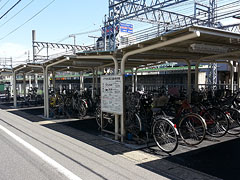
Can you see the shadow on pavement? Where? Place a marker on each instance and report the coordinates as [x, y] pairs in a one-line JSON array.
[[88, 132], [220, 160], [85, 130], [6, 105], [89, 126], [30, 114]]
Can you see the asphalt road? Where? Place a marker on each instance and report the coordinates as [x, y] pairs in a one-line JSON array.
[[220, 160], [80, 158], [78, 146], [18, 163]]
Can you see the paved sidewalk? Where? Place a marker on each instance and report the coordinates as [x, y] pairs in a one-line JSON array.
[[148, 158]]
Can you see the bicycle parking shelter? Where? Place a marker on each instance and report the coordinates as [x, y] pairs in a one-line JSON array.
[[187, 45], [25, 69], [180, 46]]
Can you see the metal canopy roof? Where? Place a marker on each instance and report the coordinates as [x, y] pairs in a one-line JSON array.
[[76, 64], [28, 68], [212, 44], [5, 71]]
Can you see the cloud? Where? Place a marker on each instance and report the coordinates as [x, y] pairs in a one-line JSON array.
[[18, 52], [230, 21]]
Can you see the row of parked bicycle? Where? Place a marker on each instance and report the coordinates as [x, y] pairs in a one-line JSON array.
[[32, 98], [72, 104], [156, 115], [168, 118], [159, 116]]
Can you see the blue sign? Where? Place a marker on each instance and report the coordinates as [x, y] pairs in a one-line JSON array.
[[109, 30], [126, 28]]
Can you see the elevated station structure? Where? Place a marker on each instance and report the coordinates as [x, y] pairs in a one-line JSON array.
[[192, 40], [192, 45]]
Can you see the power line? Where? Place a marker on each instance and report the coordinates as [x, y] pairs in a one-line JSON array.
[[10, 9], [77, 34], [27, 20], [16, 13], [4, 5], [81, 33]]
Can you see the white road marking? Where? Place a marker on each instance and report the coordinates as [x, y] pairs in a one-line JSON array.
[[46, 122], [43, 156]]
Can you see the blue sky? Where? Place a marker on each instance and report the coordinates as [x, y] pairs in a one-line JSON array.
[[61, 18]]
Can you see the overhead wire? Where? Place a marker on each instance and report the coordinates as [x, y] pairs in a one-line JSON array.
[[183, 10], [10, 9], [16, 13], [4, 5], [225, 10], [188, 11], [77, 34], [222, 10], [27, 20]]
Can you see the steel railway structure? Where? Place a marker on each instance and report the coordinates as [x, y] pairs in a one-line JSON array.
[[178, 33]]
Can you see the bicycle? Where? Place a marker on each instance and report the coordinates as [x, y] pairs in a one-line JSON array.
[[56, 105], [191, 126], [216, 120], [107, 118], [226, 104], [223, 100], [144, 120]]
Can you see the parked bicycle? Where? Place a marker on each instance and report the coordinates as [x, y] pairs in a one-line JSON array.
[[144, 121], [56, 105], [191, 126]]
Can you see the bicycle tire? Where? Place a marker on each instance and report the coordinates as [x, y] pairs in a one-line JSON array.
[[52, 112], [165, 135], [192, 129], [234, 118], [217, 122], [98, 118], [82, 110], [134, 125], [60, 103]]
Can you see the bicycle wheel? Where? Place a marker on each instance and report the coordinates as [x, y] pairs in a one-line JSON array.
[[165, 135], [82, 110], [192, 129], [60, 104], [52, 113], [68, 107], [234, 117], [134, 125], [217, 122], [98, 118]]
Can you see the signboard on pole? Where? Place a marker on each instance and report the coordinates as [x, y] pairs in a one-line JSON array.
[[126, 28], [109, 30], [112, 94]]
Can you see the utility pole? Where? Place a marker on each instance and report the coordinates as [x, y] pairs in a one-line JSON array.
[[33, 40], [105, 33], [74, 38], [94, 37], [74, 42]]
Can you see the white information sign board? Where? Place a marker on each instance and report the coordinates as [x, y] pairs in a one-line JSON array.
[[112, 94]]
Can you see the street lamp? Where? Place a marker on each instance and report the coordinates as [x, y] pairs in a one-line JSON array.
[[236, 16], [74, 42], [94, 37]]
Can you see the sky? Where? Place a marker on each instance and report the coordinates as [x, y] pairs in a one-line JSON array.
[[60, 19], [55, 20]]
